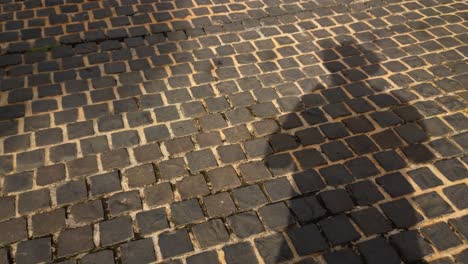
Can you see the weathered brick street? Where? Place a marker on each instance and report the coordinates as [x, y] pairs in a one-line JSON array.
[[233, 131]]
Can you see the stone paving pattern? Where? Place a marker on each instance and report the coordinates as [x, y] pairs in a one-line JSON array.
[[216, 131]]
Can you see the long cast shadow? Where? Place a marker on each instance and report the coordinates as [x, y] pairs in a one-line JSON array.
[[355, 141]]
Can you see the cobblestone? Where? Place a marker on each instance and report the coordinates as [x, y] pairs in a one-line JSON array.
[[72, 241], [139, 251], [201, 131], [378, 250], [103, 256], [173, 244], [34, 251], [115, 230], [87, 212]]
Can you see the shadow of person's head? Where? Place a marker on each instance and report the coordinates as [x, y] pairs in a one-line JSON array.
[[343, 74]]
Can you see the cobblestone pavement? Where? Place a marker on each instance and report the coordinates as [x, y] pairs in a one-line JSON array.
[[217, 131]]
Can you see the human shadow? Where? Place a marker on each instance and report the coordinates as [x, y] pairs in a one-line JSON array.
[[348, 149], [348, 155]]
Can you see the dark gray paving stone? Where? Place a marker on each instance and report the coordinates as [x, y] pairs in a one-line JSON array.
[[210, 233], [273, 248], [175, 243]]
